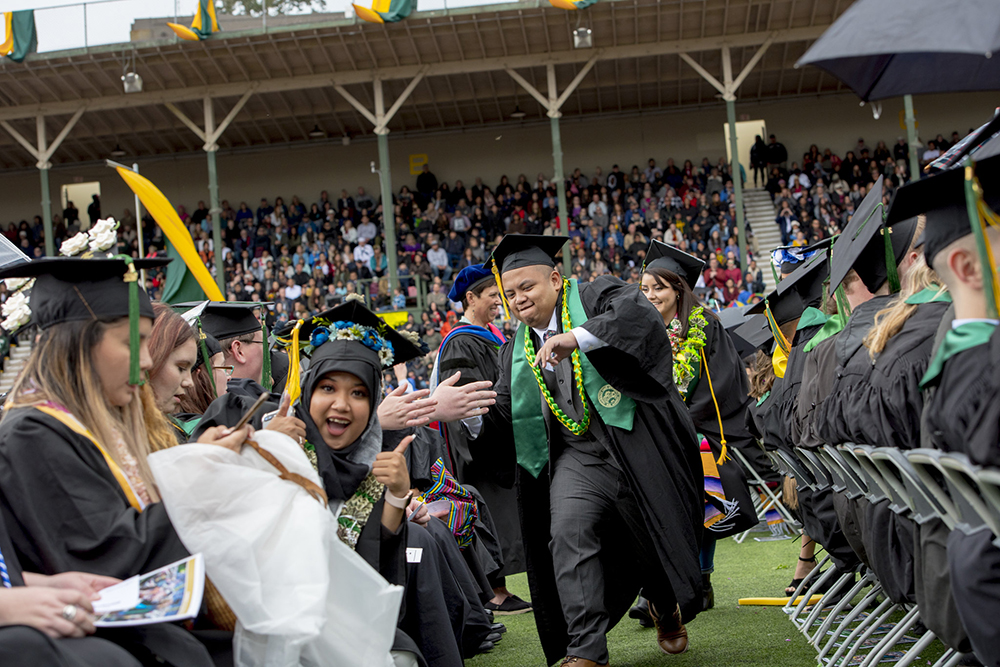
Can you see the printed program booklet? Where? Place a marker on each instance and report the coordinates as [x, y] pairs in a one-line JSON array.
[[172, 593]]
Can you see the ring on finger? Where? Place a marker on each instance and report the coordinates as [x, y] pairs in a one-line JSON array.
[[69, 612]]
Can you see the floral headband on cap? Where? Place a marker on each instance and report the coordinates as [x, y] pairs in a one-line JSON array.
[[340, 330]]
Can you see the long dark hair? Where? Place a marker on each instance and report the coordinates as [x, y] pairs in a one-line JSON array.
[[686, 299]]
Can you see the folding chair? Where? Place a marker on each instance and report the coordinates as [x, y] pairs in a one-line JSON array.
[[794, 468], [872, 489], [961, 476], [760, 490], [989, 485], [923, 463], [821, 477], [835, 460]]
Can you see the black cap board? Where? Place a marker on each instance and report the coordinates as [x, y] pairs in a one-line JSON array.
[[732, 317], [516, 251], [352, 312], [70, 289], [808, 279], [790, 257], [785, 307], [981, 143], [861, 232], [941, 198], [227, 319], [10, 254], [752, 335], [663, 256]]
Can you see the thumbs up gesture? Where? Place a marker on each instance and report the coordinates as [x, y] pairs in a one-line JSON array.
[[286, 422], [390, 469]]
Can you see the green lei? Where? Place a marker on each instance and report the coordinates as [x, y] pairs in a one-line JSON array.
[[576, 428], [354, 514], [687, 351]]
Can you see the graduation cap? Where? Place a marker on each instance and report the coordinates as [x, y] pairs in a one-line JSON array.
[[663, 256], [784, 307], [942, 198], [73, 289], [227, 319], [732, 317], [349, 330], [516, 251], [467, 279], [808, 279], [980, 144], [754, 334], [788, 258], [212, 348]]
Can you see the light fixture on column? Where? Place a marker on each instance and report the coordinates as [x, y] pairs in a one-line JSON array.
[[346, 140], [131, 81], [518, 114], [118, 152], [583, 38], [316, 133]]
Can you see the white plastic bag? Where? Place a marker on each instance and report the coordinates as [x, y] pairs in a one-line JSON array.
[[302, 597]]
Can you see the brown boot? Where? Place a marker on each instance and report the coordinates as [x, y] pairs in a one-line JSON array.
[[580, 662], [671, 634]]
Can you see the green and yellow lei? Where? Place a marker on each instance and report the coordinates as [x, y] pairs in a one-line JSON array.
[[687, 351]]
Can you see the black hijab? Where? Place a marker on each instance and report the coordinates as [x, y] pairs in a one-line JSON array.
[[343, 470]]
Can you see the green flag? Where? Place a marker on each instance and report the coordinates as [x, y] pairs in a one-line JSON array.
[[181, 285], [20, 36]]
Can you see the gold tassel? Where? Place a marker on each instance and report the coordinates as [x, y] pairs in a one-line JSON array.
[[292, 385], [503, 297], [724, 454]]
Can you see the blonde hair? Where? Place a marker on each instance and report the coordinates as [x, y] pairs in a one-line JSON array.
[[61, 369], [889, 321]]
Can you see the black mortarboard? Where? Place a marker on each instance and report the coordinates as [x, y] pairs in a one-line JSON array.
[[982, 143], [516, 251], [785, 307], [733, 317], [861, 246], [790, 257], [10, 254], [807, 280], [663, 256], [752, 335], [71, 289], [227, 319], [941, 198]]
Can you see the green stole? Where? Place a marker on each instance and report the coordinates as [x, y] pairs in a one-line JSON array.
[[530, 435], [965, 337], [930, 294]]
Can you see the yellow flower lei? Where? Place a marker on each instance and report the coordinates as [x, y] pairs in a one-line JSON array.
[[687, 352]]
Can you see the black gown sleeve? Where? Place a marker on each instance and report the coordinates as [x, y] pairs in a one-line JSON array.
[[383, 549], [636, 359], [475, 359], [494, 448], [65, 510]]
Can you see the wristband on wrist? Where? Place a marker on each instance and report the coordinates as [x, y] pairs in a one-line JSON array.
[[398, 503]]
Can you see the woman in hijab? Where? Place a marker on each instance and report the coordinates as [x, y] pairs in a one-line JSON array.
[[365, 470]]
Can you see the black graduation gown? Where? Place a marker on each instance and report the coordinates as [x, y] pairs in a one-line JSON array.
[[782, 423], [964, 416], [660, 457], [732, 392], [65, 511], [476, 359]]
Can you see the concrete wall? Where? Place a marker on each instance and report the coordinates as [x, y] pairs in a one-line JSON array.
[[835, 122]]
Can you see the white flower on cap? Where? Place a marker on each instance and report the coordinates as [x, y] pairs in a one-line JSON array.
[[103, 236], [17, 284], [75, 245], [16, 312]]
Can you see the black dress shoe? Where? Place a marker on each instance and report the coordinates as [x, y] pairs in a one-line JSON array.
[[498, 627], [493, 637], [640, 612], [485, 647], [706, 584]]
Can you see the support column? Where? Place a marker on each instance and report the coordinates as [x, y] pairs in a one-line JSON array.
[[215, 209], [911, 137], [211, 147], [737, 184], [557, 175], [388, 210], [50, 243]]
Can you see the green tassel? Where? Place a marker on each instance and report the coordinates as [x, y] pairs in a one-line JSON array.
[[890, 262], [843, 307], [978, 231], [205, 358], [265, 373]]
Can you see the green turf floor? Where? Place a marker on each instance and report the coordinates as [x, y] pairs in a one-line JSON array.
[[724, 636]]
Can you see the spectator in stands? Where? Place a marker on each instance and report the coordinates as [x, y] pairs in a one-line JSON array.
[[94, 210], [264, 212], [777, 154], [438, 259]]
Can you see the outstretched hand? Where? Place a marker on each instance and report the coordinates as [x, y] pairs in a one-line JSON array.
[[400, 410], [470, 400]]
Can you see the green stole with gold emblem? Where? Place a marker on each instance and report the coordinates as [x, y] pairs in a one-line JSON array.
[[530, 435]]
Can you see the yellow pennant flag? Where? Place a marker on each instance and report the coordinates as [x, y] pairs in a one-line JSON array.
[[166, 217]]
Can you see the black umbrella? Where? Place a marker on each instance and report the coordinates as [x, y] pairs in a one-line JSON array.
[[890, 48]]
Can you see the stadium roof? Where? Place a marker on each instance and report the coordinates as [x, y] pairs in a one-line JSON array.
[[286, 75]]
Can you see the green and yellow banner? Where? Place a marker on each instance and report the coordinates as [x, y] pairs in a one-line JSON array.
[[204, 24], [385, 11], [572, 5], [20, 37]]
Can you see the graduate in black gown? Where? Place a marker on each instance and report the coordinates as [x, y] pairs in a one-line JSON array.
[[349, 348], [604, 452], [471, 349], [711, 378], [46, 623], [75, 491], [962, 414]]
